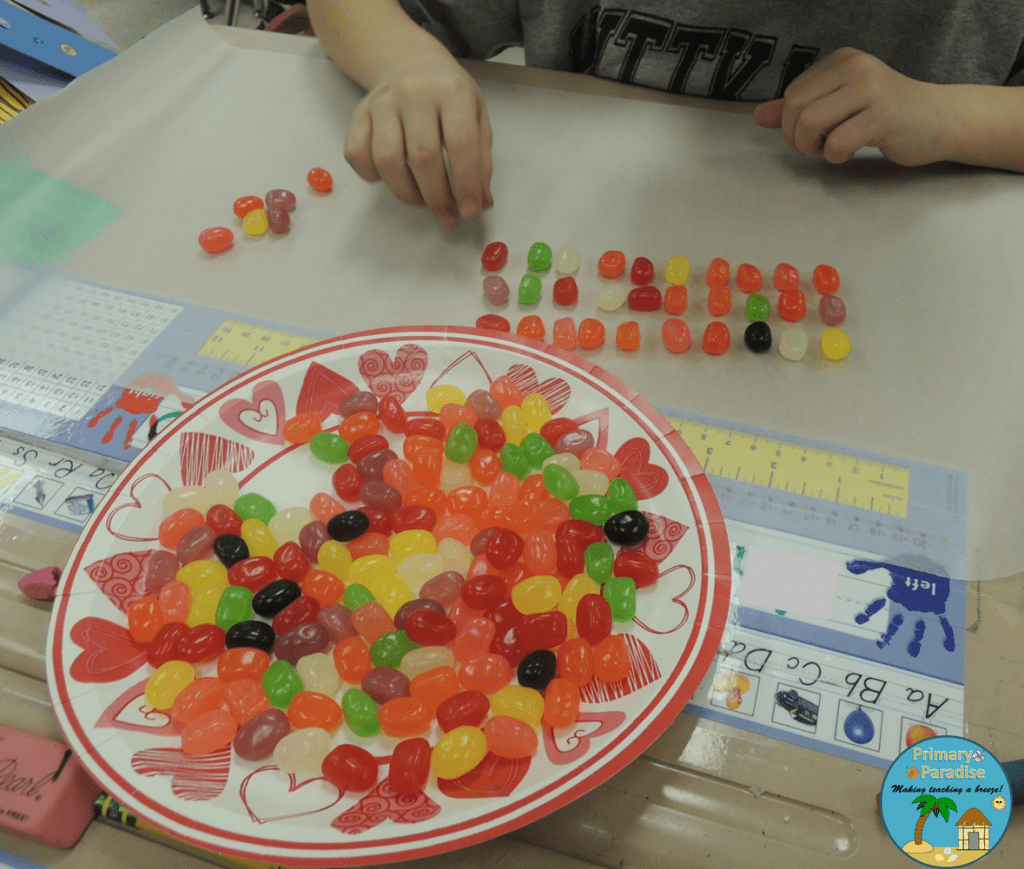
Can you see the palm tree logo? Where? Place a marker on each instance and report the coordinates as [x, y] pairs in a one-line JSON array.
[[928, 804]]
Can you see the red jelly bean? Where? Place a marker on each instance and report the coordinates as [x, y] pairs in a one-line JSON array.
[[392, 414], [216, 239], [410, 766], [426, 427], [242, 662], [350, 768], [571, 538], [543, 630], [490, 434], [716, 338], [495, 256], [201, 644], [634, 563], [290, 561], [503, 548], [493, 322], [642, 271], [347, 482], [413, 516], [253, 573], [646, 298], [484, 592], [367, 444], [792, 305], [165, 643], [465, 708], [593, 618], [785, 277], [320, 180], [429, 628], [565, 291], [300, 611]]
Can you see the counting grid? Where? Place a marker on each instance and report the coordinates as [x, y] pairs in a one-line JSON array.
[[102, 330]]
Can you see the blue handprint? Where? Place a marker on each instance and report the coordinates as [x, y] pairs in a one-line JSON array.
[[913, 591]]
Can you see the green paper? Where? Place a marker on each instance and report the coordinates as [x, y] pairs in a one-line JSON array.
[[44, 219]]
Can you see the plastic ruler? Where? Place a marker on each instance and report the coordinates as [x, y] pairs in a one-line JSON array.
[[249, 344]]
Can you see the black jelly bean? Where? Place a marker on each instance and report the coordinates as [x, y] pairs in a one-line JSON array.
[[230, 548], [250, 634], [275, 596], [758, 337], [537, 669], [627, 528], [348, 525]]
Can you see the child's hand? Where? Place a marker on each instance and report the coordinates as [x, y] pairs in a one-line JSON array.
[[402, 129], [851, 99]]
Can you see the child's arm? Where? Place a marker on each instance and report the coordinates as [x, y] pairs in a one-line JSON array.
[[420, 104], [851, 99]]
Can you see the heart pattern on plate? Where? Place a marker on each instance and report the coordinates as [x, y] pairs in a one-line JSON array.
[[108, 651], [396, 377], [643, 670], [268, 795], [322, 391], [193, 777], [383, 804], [555, 390], [202, 453], [493, 777], [646, 478], [130, 711], [569, 744], [261, 419], [121, 576]]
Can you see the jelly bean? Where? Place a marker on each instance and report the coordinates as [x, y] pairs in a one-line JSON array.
[[575, 589], [835, 344], [216, 239], [299, 429], [302, 751], [235, 606], [313, 709], [505, 391], [301, 640], [758, 337], [356, 596], [145, 619], [434, 685], [337, 619], [254, 506], [593, 618], [347, 482], [230, 548], [194, 497], [204, 605], [196, 544], [518, 702], [612, 297], [611, 264], [461, 443], [598, 559], [350, 768], [175, 602], [320, 180], [371, 466], [543, 630], [576, 661], [493, 322], [793, 344], [536, 594], [163, 646], [323, 587], [362, 714], [275, 596], [251, 634], [537, 669], [370, 619], [536, 412], [278, 220], [244, 204], [281, 198], [594, 459], [281, 683], [256, 223], [445, 588], [559, 482], [792, 305], [717, 274], [529, 290], [209, 732], [748, 278], [620, 592], [410, 766], [565, 291], [242, 662], [465, 708], [627, 336], [561, 703], [716, 338], [175, 526], [563, 333], [757, 308], [473, 639], [486, 673], [377, 493], [348, 525], [627, 528], [496, 289], [538, 259], [510, 738], [166, 682], [675, 299], [495, 256], [536, 449], [352, 659], [677, 270], [611, 659], [245, 699], [675, 335], [385, 683], [785, 277], [719, 301], [568, 261], [826, 279], [645, 298], [426, 627], [590, 508], [621, 495], [257, 738], [389, 649], [458, 752], [160, 569], [539, 551], [195, 699], [203, 643], [252, 573], [637, 565], [318, 673], [832, 310]]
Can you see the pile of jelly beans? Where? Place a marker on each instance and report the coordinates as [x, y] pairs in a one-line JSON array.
[[260, 215], [457, 585], [641, 295]]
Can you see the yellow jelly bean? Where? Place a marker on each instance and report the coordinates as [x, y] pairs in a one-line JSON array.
[[513, 424], [578, 586], [442, 394], [677, 270], [335, 558], [391, 592], [167, 682], [256, 222], [835, 344], [536, 411], [536, 594], [368, 569], [459, 751], [202, 575], [415, 541], [204, 607], [258, 538], [515, 701]]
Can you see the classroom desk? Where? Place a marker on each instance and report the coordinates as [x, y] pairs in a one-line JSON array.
[[931, 264]]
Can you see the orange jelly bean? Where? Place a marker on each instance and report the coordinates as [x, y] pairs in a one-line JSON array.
[[300, 429], [175, 526], [716, 338], [510, 738], [561, 703], [484, 465], [576, 661], [452, 414], [324, 507], [403, 717], [611, 658], [435, 686], [325, 588], [627, 336], [313, 709], [245, 699], [531, 326], [611, 264], [717, 274], [505, 391], [748, 278], [175, 601], [197, 699], [209, 732], [352, 659], [370, 543], [145, 618], [675, 335], [428, 496], [675, 299], [590, 333], [359, 425], [719, 301], [242, 662], [792, 305]]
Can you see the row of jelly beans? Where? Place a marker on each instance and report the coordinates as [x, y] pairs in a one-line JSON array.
[[555, 469], [272, 212]]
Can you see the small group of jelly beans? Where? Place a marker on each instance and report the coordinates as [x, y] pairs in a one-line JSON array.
[[475, 583], [272, 212], [539, 260]]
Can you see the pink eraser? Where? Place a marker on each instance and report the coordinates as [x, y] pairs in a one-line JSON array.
[[45, 793]]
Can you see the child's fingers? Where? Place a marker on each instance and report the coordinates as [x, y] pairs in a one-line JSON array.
[[389, 156], [817, 121], [769, 114], [467, 142], [358, 151]]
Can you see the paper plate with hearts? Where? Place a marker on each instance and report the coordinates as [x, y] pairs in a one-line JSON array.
[[101, 661]]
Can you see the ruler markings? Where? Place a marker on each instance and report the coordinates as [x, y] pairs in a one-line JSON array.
[[250, 345]]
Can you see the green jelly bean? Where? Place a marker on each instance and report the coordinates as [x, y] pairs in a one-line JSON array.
[[598, 559], [356, 595], [536, 449], [255, 506], [758, 308], [329, 447], [593, 508], [620, 592], [529, 290], [461, 443], [389, 649], [621, 496], [362, 714], [235, 606], [539, 257], [513, 461], [281, 683], [560, 483]]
